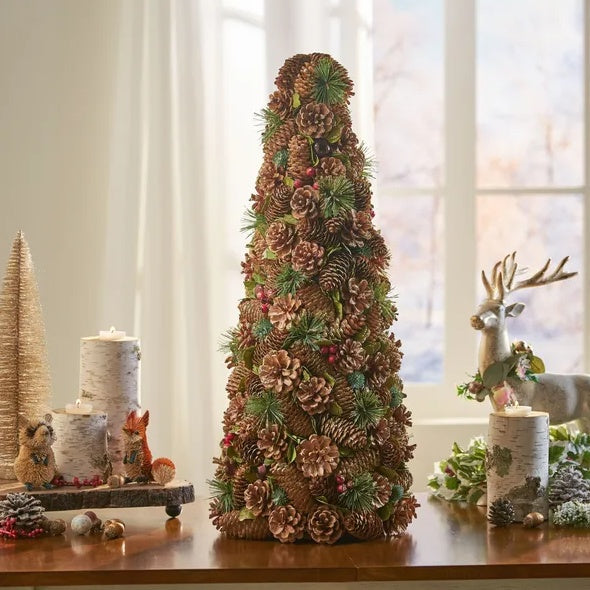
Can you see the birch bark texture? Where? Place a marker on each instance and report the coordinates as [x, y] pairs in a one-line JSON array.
[[25, 382], [517, 462], [81, 447], [110, 381]]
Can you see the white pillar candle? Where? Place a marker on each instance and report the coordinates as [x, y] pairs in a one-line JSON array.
[[517, 463], [110, 381], [78, 408], [81, 444]]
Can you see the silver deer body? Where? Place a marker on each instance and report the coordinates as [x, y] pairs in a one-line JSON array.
[[564, 397]]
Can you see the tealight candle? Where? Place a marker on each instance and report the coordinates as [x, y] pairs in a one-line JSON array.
[[79, 408], [112, 334], [517, 410]]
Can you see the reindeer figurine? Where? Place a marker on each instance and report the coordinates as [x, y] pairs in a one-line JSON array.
[[564, 397]]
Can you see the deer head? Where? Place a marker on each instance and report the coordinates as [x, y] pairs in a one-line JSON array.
[[491, 315]]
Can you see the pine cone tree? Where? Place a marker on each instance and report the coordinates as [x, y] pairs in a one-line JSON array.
[[292, 481], [402, 515], [25, 509], [272, 442], [501, 512], [307, 257], [305, 203], [568, 484], [279, 238], [280, 371], [332, 167], [336, 271], [286, 524], [314, 395], [343, 432], [317, 456], [230, 524], [325, 526], [351, 356], [258, 497], [364, 525], [283, 311], [315, 119]]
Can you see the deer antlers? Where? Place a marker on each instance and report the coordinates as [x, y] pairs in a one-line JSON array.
[[504, 272]]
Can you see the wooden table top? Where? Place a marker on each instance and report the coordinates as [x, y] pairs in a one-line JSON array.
[[447, 541]]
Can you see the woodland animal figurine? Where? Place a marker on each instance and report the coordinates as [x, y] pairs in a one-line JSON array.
[[138, 457], [564, 397], [35, 463]]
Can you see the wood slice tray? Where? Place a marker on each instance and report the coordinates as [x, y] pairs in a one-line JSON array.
[[131, 495]]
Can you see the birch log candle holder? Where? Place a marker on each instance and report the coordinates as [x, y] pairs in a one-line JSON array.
[[517, 462], [110, 381], [81, 446]]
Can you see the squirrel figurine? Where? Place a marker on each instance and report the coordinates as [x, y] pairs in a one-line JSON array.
[[138, 457], [35, 463]]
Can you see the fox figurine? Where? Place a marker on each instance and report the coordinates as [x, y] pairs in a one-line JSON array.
[[138, 457]]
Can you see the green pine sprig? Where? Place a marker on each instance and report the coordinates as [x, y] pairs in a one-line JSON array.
[[266, 408], [223, 492], [310, 330], [279, 496], [572, 514], [253, 221], [356, 380], [270, 123], [262, 328], [386, 301], [281, 158], [360, 494], [368, 409], [337, 194], [330, 83], [397, 396], [289, 280], [228, 343], [370, 165]]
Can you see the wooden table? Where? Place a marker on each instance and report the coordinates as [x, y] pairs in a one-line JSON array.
[[446, 542]]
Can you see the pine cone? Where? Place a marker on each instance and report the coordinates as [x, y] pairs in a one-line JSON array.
[[244, 336], [247, 447], [299, 157], [348, 140], [358, 296], [258, 497], [351, 356], [401, 477], [315, 230], [382, 490], [351, 324], [375, 321], [289, 71], [315, 363], [291, 480], [336, 271], [240, 483], [403, 514], [283, 311], [362, 194], [314, 395], [297, 421], [305, 81], [281, 103], [361, 462], [364, 525], [280, 138], [364, 270], [316, 301], [233, 412], [250, 311], [230, 524], [343, 433], [325, 526], [402, 415], [357, 162], [501, 512], [324, 487], [343, 395], [317, 456], [272, 442], [315, 119], [382, 431], [236, 382], [279, 203], [276, 338], [279, 238], [286, 524], [568, 484], [379, 369], [280, 371], [332, 167], [307, 257], [305, 203], [393, 452], [25, 509], [269, 178]]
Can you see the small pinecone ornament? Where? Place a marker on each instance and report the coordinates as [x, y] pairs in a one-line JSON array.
[[332, 167], [281, 103], [279, 238], [325, 526], [568, 484], [359, 296], [315, 119], [305, 203], [26, 510], [258, 497], [336, 271], [317, 456], [501, 512], [280, 371], [343, 432], [364, 525], [231, 525], [272, 442], [286, 524], [283, 311], [351, 356], [314, 395], [307, 257], [402, 515]]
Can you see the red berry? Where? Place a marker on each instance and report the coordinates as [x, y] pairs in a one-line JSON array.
[[339, 479], [259, 295], [310, 171], [372, 213], [230, 436], [332, 359], [316, 186], [298, 183], [340, 488], [265, 307], [333, 349], [325, 349]]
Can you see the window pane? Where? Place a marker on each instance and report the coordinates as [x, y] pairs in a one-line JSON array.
[[409, 91], [530, 93], [412, 227], [539, 227]]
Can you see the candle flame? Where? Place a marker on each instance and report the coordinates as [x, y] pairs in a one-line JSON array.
[[78, 403], [113, 329]]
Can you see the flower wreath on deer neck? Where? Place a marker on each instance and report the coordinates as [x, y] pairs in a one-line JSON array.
[[522, 364]]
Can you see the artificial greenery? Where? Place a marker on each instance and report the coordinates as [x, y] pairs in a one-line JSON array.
[[397, 396], [309, 331], [572, 514], [262, 328], [270, 123], [266, 407], [223, 492], [279, 496], [253, 221], [281, 158], [356, 380], [337, 195], [370, 164], [229, 343], [359, 494], [289, 280], [385, 299], [330, 83], [367, 410]]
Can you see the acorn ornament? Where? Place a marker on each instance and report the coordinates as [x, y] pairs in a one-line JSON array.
[[501, 512], [322, 147], [113, 528], [532, 520]]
